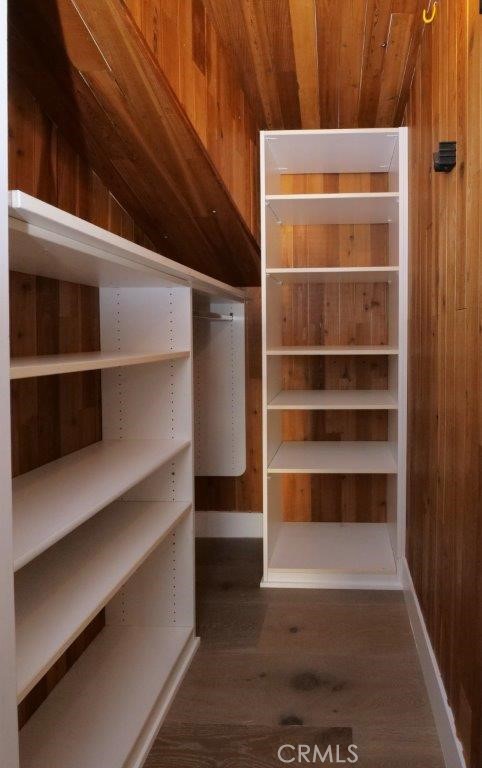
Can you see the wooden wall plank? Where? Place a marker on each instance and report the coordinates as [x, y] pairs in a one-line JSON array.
[[444, 489], [326, 64]]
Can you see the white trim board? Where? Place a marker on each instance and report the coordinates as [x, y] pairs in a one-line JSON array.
[[229, 525], [442, 713]]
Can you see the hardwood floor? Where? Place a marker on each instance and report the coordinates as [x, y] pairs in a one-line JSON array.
[[314, 667]]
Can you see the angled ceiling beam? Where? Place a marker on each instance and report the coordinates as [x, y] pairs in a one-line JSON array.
[[110, 95]]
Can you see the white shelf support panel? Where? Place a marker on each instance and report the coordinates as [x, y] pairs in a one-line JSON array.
[[219, 389], [8, 718], [318, 554]]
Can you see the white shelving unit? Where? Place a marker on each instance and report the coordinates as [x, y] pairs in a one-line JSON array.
[[318, 554], [109, 526]]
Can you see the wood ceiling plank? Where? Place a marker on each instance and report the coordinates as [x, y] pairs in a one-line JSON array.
[[255, 24], [396, 54], [277, 56], [377, 24], [303, 24], [228, 19], [328, 33], [280, 36], [353, 20]]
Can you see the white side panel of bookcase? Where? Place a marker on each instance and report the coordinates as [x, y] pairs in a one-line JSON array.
[[403, 342], [151, 401], [8, 709], [161, 592], [219, 391]]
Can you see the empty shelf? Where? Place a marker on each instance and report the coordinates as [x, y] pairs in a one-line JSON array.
[[44, 240], [336, 547], [53, 499], [331, 151], [341, 208], [62, 590], [333, 274], [374, 349], [49, 365], [334, 457], [332, 400], [107, 708]]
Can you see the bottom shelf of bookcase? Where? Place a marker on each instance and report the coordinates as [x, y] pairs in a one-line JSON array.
[[108, 708], [337, 555]]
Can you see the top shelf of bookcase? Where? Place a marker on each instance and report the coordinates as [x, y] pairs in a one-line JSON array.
[[335, 151], [46, 241]]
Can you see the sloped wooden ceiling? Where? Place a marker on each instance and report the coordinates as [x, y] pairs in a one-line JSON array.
[[95, 76], [323, 63]]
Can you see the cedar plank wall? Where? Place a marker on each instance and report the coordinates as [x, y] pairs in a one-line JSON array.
[[55, 415], [189, 52], [445, 411]]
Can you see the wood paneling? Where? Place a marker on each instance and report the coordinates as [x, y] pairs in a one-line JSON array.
[[445, 413], [320, 63], [98, 79], [188, 50]]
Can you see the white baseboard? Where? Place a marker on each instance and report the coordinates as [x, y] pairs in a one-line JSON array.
[[229, 525], [442, 713]]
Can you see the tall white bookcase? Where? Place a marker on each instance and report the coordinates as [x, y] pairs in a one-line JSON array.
[[336, 554], [109, 526]]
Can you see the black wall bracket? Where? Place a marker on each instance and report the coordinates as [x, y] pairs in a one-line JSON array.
[[445, 159]]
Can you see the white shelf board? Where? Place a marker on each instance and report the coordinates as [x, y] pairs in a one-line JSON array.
[[49, 365], [331, 151], [61, 591], [333, 400], [341, 208], [100, 711], [334, 547], [44, 240], [333, 274], [53, 499], [334, 457], [378, 349]]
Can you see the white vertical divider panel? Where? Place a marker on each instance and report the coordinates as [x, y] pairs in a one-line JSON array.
[[219, 389], [152, 402], [402, 342], [268, 235], [8, 704]]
